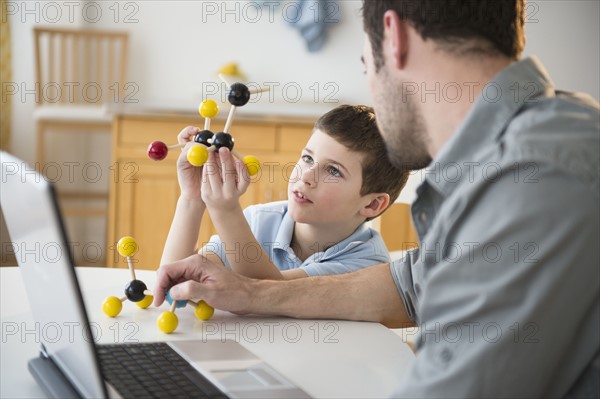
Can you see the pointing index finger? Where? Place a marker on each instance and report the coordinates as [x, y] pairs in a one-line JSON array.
[[169, 275]]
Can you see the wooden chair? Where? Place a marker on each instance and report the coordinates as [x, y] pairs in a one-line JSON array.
[[78, 72], [80, 78]]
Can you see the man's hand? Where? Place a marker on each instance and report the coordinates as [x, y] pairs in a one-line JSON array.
[[197, 277]]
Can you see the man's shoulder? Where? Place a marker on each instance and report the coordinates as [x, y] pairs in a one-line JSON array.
[[561, 132], [563, 113]]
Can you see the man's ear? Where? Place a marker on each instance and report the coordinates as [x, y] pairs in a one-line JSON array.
[[396, 36], [379, 203]]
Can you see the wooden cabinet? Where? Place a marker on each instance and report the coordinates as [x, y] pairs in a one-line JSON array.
[[144, 193]]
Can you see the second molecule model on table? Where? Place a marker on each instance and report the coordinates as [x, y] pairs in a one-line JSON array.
[[206, 140], [137, 292]]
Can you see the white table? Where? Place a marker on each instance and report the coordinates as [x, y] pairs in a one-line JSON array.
[[327, 358]]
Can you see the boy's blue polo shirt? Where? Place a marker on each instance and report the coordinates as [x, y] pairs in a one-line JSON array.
[[273, 228]]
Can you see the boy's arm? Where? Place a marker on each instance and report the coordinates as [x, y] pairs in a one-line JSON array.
[[244, 253], [183, 234], [224, 181], [294, 274], [248, 257]]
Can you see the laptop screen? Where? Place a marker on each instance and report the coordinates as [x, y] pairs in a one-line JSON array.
[[38, 236]]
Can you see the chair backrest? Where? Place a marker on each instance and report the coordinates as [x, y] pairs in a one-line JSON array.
[[80, 66]]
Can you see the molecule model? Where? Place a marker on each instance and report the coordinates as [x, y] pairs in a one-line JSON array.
[[137, 292], [208, 109], [206, 140], [167, 321]]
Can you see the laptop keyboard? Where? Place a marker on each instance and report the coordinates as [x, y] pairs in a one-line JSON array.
[[153, 370]]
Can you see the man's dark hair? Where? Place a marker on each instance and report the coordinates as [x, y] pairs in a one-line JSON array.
[[458, 26], [355, 128]]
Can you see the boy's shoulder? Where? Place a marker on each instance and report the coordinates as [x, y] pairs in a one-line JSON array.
[[266, 220], [277, 207], [271, 212]]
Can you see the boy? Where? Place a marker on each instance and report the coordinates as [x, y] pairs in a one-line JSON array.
[[343, 179]]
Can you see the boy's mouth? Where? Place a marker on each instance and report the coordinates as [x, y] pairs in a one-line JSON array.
[[300, 197]]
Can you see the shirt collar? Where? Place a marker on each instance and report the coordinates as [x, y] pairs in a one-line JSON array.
[[285, 232], [520, 83], [359, 236]]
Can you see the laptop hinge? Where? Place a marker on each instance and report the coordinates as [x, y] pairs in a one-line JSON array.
[[44, 352], [49, 377]]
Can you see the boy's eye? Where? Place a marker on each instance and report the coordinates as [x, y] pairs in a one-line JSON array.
[[308, 159], [333, 171]]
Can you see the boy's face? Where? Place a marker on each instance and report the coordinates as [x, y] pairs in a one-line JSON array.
[[324, 188]]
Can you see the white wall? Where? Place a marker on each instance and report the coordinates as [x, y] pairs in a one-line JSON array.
[[565, 35], [176, 46]]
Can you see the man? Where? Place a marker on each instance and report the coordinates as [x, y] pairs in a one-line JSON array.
[[505, 285]]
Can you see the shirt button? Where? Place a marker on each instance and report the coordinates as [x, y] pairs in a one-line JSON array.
[[423, 216], [446, 355]]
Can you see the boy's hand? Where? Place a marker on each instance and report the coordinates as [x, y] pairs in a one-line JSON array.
[[189, 176], [225, 180]]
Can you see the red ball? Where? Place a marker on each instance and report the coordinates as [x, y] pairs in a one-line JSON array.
[[158, 150]]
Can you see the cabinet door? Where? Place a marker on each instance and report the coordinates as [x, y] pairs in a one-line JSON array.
[[274, 183], [146, 201]]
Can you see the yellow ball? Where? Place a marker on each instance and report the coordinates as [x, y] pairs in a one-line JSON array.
[[204, 311], [167, 322], [252, 164], [127, 246], [112, 306], [208, 109], [197, 155], [147, 301]]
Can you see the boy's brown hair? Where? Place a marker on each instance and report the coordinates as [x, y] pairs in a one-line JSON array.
[[355, 128]]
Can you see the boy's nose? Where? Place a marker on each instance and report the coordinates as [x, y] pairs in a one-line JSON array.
[[310, 177]]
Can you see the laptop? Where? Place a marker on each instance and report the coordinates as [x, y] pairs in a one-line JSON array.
[[72, 365]]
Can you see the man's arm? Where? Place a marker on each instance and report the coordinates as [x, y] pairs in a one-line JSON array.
[[367, 295]]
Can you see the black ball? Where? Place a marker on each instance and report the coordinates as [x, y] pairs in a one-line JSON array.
[[223, 139], [135, 290], [239, 94], [203, 137]]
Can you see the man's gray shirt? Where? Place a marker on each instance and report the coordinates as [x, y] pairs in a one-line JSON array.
[[505, 285]]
